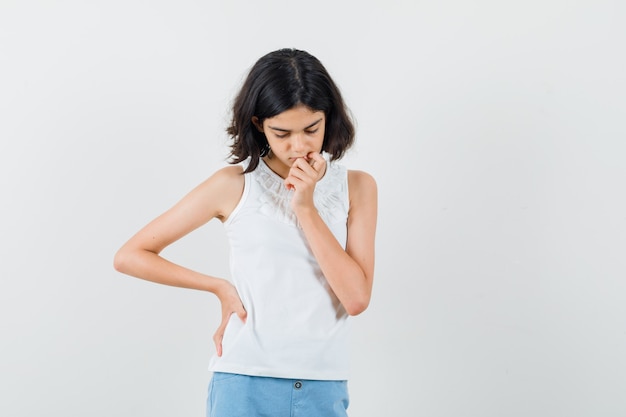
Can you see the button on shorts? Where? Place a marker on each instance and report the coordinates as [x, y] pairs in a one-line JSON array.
[[234, 395]]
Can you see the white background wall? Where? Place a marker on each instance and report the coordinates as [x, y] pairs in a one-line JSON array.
[[495, 130]]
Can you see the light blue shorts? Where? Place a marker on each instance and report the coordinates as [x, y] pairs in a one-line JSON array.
[[234, 395]]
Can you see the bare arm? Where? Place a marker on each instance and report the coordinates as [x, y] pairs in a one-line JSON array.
[[139, 257], [349, 272]]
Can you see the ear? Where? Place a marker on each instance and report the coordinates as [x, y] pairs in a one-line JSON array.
[[257, 123]]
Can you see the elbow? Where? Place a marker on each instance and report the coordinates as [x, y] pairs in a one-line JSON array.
[[356, 307], [120, 261], [358, 300]]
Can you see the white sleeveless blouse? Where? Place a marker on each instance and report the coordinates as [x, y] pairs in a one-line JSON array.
[[296, 326]]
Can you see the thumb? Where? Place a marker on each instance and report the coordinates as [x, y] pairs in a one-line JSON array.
[[242, 314], [217, 339]]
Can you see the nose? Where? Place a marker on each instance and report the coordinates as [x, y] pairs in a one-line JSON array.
[[298, 142]]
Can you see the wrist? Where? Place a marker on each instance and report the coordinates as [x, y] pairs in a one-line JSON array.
[[306, 213], [220, 287]]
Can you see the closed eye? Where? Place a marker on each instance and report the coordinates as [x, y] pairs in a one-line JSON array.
[[306, 129], [284, 135]]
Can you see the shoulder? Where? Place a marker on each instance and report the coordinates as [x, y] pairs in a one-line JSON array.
[[362, 188], [224, 178], [229, 174], [223, 190], [363, 197], [361, 181]]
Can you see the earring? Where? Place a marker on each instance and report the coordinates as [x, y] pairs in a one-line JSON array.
[[265, 150]]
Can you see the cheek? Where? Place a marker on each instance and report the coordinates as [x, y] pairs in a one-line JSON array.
[[321, 139]]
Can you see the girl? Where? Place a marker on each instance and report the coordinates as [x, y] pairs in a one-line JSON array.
[[301, 230]]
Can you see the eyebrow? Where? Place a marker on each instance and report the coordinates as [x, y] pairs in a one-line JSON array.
[[287, 130]]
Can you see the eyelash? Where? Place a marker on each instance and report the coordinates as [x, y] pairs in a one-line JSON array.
[[309, 132]]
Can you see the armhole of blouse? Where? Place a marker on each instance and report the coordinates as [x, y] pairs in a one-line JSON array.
[[244, 196], [347, 194]]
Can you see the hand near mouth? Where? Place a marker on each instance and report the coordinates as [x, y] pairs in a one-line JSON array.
[[305, 172]]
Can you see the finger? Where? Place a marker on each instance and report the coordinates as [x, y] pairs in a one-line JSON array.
[[315, 159], [293, 182], [318, 163], [314, 166], [289, 182], [294, 178], [243, 315], [217, 340], [302, 169], [219, 336], [303, 163], [298, 166]]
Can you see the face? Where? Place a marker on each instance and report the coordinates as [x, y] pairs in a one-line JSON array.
[[292, 134]]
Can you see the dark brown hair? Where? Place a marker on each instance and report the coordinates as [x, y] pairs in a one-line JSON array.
[[278, 82]]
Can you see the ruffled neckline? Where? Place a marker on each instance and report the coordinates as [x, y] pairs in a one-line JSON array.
[[329, 196]]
